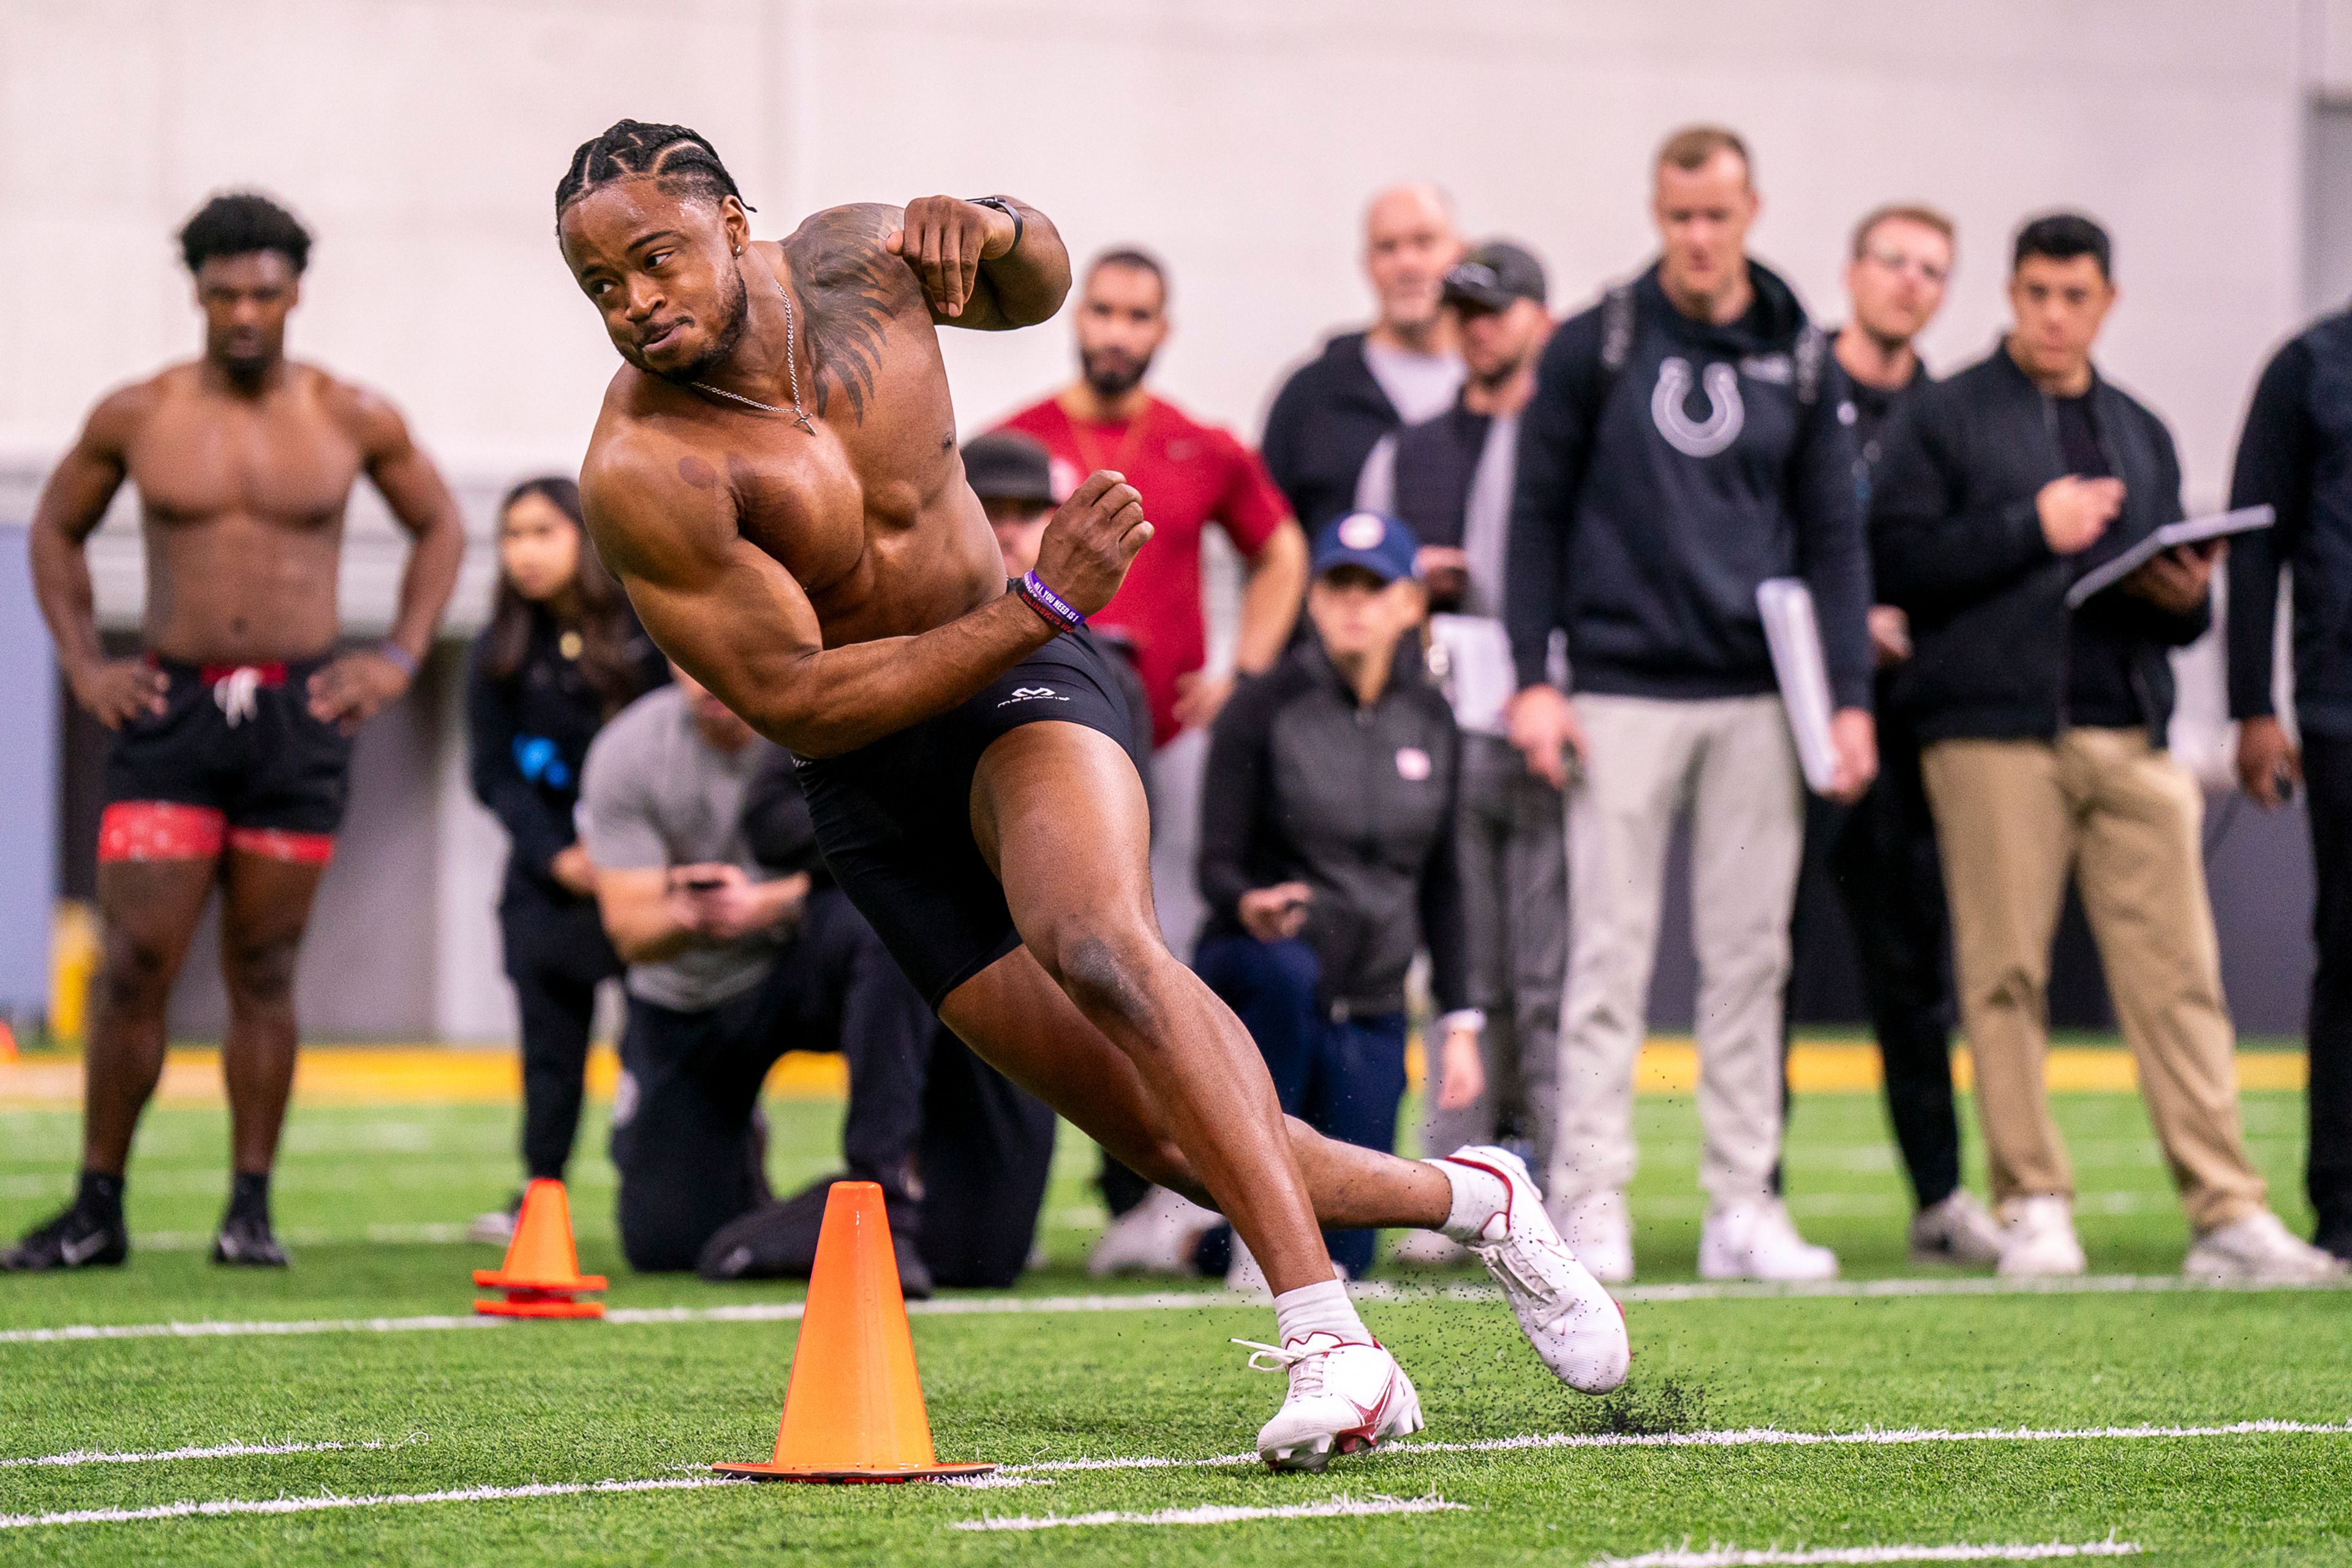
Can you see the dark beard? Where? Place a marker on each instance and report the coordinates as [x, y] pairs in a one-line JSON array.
[[737, 318], [1107, 384]]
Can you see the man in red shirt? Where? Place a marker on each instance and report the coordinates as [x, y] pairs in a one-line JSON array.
[[1191, 475]]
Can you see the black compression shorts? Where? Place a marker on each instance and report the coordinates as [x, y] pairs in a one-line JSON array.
[[894, 820]]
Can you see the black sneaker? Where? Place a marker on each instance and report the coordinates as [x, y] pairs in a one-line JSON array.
[[74, 1239], [247, 1244], [2335, 1236]]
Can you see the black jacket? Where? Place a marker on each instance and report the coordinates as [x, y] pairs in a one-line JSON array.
[[1305, 784], [1643, 530], [1324, 422], [527, 737], [1957, 544], [2296, 455]]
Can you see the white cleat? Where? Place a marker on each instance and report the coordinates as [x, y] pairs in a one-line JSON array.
[[1156, 1236], [1598, 1228], [1757, 1240], [1347, 1396], [2259, 1249], [1576, 1327]]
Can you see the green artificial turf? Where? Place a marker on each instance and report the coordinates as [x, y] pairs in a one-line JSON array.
[[362, 1192]]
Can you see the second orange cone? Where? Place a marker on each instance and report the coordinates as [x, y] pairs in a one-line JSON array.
[[854, 1408], [541, 1273]]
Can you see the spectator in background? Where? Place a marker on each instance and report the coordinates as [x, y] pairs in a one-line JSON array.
[[1449, 478], [1879, 854], [2044, 734], [2296, 456], [1642, 525], [562, 655], [729, 967], [1191, 475], [1327, 853], [1333, 409]]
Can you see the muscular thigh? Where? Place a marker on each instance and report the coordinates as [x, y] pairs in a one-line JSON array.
[[1058, 812], [1019, 1022], [265, 903], [150, 908]]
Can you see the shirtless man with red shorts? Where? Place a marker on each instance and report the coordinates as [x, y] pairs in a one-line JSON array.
[[774, 478], [233, 730]]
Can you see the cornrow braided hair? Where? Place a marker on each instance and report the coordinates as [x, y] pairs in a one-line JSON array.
[[683, 161]]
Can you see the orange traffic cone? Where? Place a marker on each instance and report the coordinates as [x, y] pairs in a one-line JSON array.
[[541, 1273], [853, 1408]]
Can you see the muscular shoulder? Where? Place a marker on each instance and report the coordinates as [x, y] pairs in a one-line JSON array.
[[652, 500], [116, 419], [364, 414]]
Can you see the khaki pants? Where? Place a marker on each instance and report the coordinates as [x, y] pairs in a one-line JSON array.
[[1732, 762], [2013, 818]]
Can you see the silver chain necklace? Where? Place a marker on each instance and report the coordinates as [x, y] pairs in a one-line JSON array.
[[791, 368]]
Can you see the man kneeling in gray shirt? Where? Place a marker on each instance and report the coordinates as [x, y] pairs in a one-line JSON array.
[[730, 964]]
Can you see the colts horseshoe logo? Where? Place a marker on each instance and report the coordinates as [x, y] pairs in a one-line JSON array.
[[1721, 426]]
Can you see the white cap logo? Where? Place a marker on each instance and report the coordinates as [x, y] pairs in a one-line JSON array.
[[1364, 531], [1412, 764]]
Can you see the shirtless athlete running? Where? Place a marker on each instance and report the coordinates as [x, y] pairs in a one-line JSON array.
[[774, 477], [233, 729]]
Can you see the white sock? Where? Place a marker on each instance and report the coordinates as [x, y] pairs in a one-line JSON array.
[[1480, 1200], [1321, 1309]]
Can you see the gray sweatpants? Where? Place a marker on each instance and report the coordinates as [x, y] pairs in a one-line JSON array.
[[1515, 918], [1732, 762]]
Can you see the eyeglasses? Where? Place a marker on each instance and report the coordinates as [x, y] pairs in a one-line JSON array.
[[1903, 260]]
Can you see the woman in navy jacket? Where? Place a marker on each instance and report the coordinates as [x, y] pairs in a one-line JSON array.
[[562, 655]]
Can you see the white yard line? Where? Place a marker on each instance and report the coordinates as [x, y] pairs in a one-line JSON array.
[[220, 1451], [1336, 1507], [1733, 1557], [1747, 1437], [1170, 1301], [201, 1508]]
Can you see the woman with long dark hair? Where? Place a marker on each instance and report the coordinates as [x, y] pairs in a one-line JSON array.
[[562, 655]]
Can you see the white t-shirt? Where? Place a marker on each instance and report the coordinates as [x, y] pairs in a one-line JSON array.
[[1421, 386]]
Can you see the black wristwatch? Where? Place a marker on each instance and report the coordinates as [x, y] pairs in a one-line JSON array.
[[1009, 210]]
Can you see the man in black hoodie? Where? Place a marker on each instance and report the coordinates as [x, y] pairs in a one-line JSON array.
[[1688, 440], [2044, 732], [2297, 455], [1334, 408]]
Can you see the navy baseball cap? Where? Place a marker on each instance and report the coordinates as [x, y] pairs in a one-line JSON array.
[[1381, 544], [1494, 275]]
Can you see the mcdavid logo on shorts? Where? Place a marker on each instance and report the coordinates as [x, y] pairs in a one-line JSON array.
[[1032, 694]]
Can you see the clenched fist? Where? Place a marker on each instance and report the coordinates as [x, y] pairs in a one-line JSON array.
[[945, 239], [1091, 541]]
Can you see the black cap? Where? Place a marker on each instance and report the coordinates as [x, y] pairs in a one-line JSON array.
[[1494, 275], [1005, 465]]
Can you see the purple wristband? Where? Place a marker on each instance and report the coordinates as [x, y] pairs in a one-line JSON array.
[[1056, 607], [399, 657]]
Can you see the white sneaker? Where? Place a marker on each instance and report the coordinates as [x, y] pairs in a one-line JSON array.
[[1156, 1236], [1958, 1229], [1598, 1228], [1428, 1249], [1758, 1241], [1346, 1397], [2038, 1238], [2259, 1248], [1577, 1328]]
